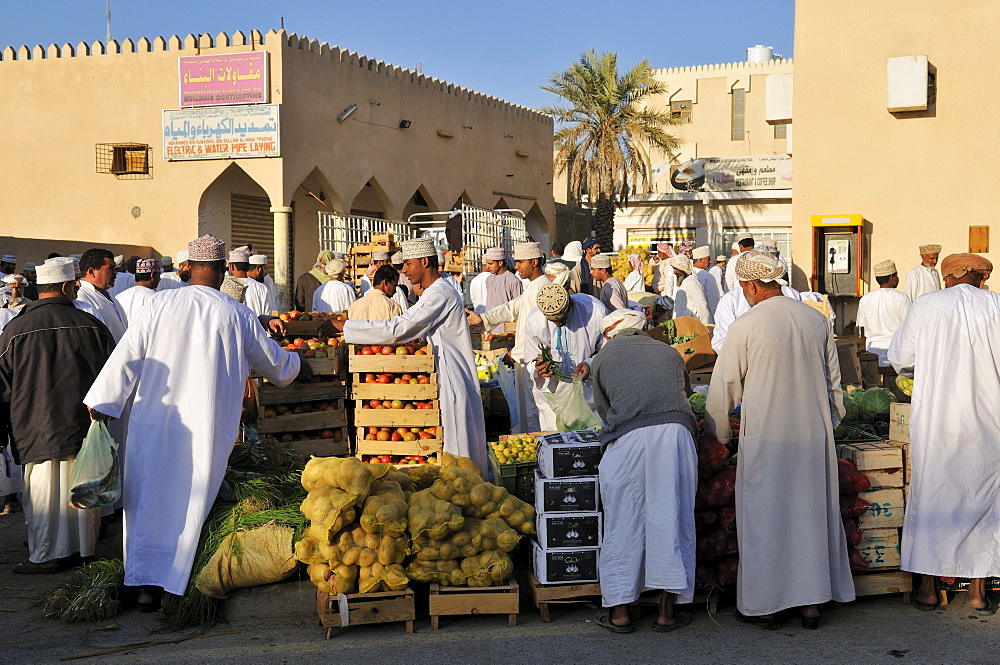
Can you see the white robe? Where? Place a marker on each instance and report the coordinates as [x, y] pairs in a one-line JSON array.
[[665, 279], [334, 296], [5, 316], [950, 342], [780, 361], [477, 292], [123, 282], [439, 317], [649, 478], [733, 305], [257, 297], [880, 313], [635, 282], [690, 300], [920, 280], [580, 339], [731, 280], [719, 278], [170, 280], [105, 308], [711, 288], [399, 297], [56, 529], [134, 300], [517, 310], [184, 420], [272, 292]]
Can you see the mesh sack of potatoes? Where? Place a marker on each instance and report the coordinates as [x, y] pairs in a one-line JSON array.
[[336, 579], [346, 473], [477, 498], [475, 537], [447, 573], [491, 568], [385, 511], [432, 516], [379, 577]]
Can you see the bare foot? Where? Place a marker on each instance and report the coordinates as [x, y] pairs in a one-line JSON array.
[[619, 615]]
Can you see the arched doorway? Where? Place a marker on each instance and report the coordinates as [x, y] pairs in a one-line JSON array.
[[420, 202], [313, 196], [537, 226], [371, 201], [235, 208]]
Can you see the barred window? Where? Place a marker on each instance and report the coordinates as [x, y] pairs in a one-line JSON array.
[[739, 114]]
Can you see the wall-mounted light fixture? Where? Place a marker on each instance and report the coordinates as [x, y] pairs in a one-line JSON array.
[[522, 153], [346, 113], [375, 102], [404, 124], [509, 136], [466, 126], [445, 134]]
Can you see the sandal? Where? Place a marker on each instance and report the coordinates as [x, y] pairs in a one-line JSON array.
[[985, 611], [153, 605], [603, 619], [681, 619], [925, 607], [773, 622], [48, 568]]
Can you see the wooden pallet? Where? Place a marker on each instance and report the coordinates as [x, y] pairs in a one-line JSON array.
[[883, 583], [462, 601], [542, 595], [270, 394], [366, 608]]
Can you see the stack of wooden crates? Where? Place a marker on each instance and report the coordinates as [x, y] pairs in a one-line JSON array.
[[359, 365], [320, 427], [361, 255], [886, 464]]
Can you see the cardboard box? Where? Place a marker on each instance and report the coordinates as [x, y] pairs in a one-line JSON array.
[[872, 456], [697, 352], [880, 548], [886, 511], [569, 530], [899, 422], [562, 495], [703, 376], [569, 454], [565, 566]]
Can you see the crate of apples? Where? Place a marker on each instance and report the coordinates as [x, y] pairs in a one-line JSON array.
[[399, 459], [296, 409], [411, 379], [400, 433], [295, 315], [311, 435], [400, 350], [311, 348], [396, 404]]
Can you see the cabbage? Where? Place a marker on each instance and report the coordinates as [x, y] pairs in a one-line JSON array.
[[874, 401], [851, 407], [697, 401]]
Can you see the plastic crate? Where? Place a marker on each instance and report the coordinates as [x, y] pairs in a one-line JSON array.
[[517, 478]]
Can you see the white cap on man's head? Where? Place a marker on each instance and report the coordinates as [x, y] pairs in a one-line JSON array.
[[258, 259], [52, 272], [700, 253]]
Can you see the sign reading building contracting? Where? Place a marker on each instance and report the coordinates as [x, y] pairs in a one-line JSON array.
[[228, 132], [232, 78], [725, 174]]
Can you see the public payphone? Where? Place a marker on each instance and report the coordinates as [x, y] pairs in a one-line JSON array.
[[837, 255]]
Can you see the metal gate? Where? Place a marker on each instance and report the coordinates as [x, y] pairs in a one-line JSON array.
[[482, 228], [338, 233], [252, 223]]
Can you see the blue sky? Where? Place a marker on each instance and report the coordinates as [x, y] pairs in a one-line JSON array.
[[503, 48]]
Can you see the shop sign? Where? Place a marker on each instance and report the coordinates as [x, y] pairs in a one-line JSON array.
[[224, 132], [726, 174], [231, 78]]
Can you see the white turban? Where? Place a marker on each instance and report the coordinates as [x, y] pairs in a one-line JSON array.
[[622, 320], [573, 251], [335, 267], [680, 262]]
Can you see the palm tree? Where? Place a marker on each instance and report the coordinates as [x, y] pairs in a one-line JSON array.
[[606, 132]]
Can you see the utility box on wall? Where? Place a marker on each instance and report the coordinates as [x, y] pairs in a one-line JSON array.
[[906, 83]]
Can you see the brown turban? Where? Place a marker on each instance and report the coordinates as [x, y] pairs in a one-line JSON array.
[[958, 265]]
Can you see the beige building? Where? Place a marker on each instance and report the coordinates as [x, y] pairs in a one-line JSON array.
[[895, 108], [736, 139], [99, 152]]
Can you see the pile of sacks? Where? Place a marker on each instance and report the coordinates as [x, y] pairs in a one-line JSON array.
[[373, 527]]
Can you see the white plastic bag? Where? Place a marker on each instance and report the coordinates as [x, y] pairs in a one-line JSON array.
[[96, 480], [505, 378], [571, 408]]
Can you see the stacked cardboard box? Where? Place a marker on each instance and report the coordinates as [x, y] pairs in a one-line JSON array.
[[567, 502]]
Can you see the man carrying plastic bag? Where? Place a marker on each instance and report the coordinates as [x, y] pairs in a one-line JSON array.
[[49, 357], [563, 333]]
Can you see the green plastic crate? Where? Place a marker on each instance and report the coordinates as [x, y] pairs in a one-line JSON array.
[[517, 478]]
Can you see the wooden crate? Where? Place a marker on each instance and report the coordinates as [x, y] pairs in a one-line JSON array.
[[886, 510], [361, 249], [884, 582], [270, 394], [885, 478], [899, 422], [388, 364], [327, 366], [366, 608], [543, 595], [880, 548], [299, 328], [421, 447], [875, 455], [462, 601], [406, 391], [396, 417], [321, 447], [297, 422], [907, 469]]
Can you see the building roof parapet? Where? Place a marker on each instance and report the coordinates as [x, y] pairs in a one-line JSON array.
[[203, 41], [725, 67]]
